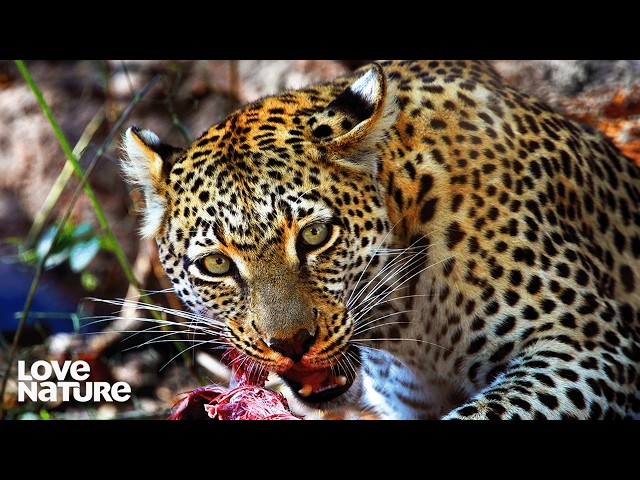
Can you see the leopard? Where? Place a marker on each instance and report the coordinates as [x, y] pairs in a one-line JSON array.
[[415, 239]]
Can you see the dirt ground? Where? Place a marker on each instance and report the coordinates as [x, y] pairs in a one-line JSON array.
[[94, 102]]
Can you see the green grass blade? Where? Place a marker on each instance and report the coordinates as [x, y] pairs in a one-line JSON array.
[[54, 194]]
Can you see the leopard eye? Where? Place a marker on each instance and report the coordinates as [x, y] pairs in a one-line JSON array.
[[313, 236], [216, 264]]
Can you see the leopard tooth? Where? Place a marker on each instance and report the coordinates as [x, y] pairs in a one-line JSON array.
[[341, 381], [306, 390]]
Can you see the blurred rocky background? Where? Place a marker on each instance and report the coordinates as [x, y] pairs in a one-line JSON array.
[[182, 99]]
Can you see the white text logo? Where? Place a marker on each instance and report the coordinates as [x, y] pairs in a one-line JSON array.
[[39, 385]]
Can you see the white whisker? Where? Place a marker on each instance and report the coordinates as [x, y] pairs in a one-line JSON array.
[[350, 368], [364, 340], [150, 307], [393, 264], [191, 347], [358, 316], [304, 193], [391, 290], [355, 287], [374, 295], [389, 270], [360, 328]]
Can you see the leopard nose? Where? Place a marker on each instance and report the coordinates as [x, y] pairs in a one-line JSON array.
[[294, 347]]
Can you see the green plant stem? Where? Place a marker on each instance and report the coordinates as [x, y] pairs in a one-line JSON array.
[[113, 243], [54, 194]]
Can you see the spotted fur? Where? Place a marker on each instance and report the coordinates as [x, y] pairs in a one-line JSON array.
[[482, 255]]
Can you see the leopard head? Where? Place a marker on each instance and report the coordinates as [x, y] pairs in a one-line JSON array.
[[269, 224]]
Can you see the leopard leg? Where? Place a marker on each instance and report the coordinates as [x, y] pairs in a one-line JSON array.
[[553, 381]]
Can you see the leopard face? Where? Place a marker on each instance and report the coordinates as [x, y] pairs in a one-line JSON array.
[[417, 237], [269, 222]]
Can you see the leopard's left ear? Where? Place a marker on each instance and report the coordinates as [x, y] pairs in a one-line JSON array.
[[357, 118]]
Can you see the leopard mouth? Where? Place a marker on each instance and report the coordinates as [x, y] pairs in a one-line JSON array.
[[316, 385]]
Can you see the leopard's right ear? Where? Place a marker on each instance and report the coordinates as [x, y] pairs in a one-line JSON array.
[[146, 164]]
